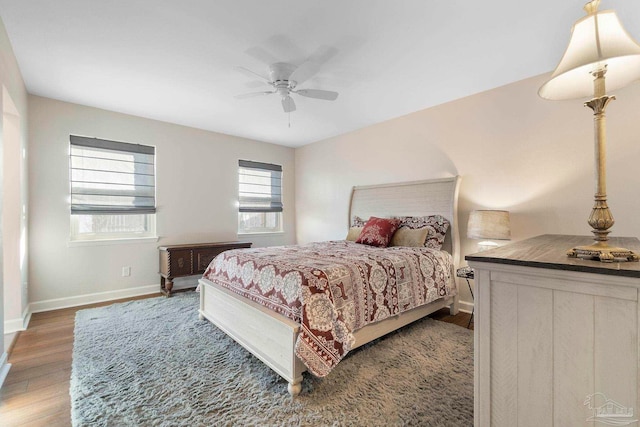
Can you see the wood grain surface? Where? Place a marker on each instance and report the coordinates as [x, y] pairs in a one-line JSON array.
[[550, 251]]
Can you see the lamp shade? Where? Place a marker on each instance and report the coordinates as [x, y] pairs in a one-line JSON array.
[[598, 41], [489, 224]]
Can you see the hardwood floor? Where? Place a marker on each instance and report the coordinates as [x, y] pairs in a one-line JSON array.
[[36, 391], [460, 319]]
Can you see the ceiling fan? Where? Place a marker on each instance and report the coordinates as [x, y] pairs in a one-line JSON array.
[[284, 79]]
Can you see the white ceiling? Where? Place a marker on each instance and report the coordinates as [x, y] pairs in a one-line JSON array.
[[174, 60]]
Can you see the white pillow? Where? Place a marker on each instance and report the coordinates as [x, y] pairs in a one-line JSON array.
[[411, 237], [354, 233]]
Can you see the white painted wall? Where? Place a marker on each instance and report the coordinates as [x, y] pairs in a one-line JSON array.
[[196, 174], [14, 103], [513, 150], [13, 217]]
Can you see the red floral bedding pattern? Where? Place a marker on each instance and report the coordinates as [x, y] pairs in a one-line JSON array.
[[334, 288]]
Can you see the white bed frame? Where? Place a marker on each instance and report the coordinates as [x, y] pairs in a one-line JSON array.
[[271, 337]]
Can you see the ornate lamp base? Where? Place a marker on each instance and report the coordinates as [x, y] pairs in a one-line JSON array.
[[602, 252]]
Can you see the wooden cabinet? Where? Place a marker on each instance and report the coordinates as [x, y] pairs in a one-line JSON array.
[[189, 260], [556, 338]]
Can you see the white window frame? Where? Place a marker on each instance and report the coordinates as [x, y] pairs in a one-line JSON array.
[[261, 230], [149, 233]]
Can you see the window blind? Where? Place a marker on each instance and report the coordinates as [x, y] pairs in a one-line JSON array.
[[260, 187], [109, 177]]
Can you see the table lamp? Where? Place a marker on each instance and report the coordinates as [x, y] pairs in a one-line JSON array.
[[599, 48], [488, 225]]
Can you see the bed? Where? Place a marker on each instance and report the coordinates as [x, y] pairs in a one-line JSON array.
[[281, 338]]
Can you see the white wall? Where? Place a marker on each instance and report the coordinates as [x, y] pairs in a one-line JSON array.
[[14, 104], [196, 174], [13, 217], [513, 150]]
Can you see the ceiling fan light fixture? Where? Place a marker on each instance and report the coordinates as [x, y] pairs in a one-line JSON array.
[[280, 74], [288, 105]]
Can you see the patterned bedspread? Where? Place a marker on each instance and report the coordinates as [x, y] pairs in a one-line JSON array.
[[334, 288]]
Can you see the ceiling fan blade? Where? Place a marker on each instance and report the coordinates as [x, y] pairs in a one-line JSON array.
[[254, 84], [318, 94], [323, 54], [312, 65], [304, 72], [284, 46], [252, 95], [250, 73], [261, 55], [288, 105]]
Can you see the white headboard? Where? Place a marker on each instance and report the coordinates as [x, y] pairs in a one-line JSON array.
[[417, 198]]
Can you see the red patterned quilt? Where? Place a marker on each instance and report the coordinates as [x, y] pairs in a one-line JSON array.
[[334, 288]]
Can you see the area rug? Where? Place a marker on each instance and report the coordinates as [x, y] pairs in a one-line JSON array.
[[153, 363]]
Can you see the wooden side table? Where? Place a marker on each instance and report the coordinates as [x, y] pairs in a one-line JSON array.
[[189, 259]]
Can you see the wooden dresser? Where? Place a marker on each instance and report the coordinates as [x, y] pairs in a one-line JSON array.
[[556, 338], [189, 260]]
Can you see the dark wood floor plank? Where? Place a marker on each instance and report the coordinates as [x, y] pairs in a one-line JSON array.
[[53, 358], [40, 349], [62, 375], [21, 400], [15, 375], [9, 390], [41, 325], [59, 419], [460, 319], [31, 413]]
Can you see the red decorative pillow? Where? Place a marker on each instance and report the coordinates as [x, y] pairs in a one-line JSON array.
[[378, 231]]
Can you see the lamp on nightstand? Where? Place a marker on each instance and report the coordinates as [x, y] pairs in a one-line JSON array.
[[599, 46], [489, 225]]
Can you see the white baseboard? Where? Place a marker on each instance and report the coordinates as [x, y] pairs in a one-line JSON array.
[[14, 325], [26, 317], [18, 324], [75, 301], [8, 341], [4, 368], [466, 307]]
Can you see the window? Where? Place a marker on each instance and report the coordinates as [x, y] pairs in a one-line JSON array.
[[260, 196], [112, 189]]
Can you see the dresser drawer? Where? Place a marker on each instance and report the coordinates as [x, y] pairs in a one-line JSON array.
[[180, 263], [202, 258]]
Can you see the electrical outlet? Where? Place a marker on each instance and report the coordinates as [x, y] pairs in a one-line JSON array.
[[126, 271]]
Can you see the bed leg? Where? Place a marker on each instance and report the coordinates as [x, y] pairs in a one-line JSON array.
[[200, 316], [295, 388], [454, 308]]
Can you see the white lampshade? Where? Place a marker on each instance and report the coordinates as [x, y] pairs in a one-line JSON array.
[[597, 41], [489, 224]]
